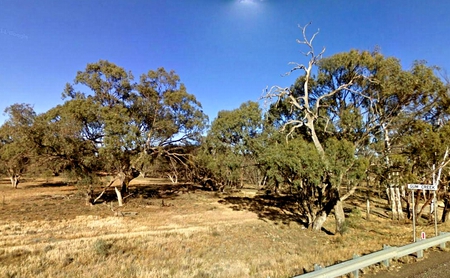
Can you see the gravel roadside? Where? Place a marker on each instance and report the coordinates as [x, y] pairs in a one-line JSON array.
[[436, 264]]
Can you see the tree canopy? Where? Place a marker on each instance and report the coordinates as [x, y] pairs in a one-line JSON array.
[[117, 124], [348, 119]]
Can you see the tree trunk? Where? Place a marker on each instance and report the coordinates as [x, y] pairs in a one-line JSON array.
[[126, 177], [15, 179], [333, 202], [241, 177], [319, 221], [314, 137], [90, 196], [408, 205], [427, 202], [173, 178], [393, 202], [119, 196], [340, 217], [416, 204], [399, 207], [446, 211], [388, 194], [368, 190]]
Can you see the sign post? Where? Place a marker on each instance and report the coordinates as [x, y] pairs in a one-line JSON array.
[[413, 187]]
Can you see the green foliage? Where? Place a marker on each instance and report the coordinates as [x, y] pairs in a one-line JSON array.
[[295, 163], [344, 165], [420, 147], [354, 219], [232, 145], [16, 154], [383, 103], [117, 124], [357, 109]]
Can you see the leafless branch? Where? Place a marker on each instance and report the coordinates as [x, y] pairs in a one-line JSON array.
[[340, 88], [294, 125]]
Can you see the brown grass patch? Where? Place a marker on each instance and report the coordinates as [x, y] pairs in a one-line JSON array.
[[47, 231]]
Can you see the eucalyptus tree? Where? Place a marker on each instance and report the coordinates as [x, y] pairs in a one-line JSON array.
[[16, 154], [423, 154], [117, 124], [306, 100], [231, 148], [399, 102], [373, 111], [359, 99], [355, 102], [67, 139]]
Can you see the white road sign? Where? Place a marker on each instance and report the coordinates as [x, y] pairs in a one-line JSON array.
[[422, 186]]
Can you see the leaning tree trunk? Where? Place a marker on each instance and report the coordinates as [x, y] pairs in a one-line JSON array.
[[427, 203]]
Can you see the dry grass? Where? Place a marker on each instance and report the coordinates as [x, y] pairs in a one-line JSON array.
[[46, 231]]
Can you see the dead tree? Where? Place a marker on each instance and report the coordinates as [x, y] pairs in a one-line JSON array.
[[309, 109]]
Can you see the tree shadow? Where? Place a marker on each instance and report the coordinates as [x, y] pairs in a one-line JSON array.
[[45, 184], [163, 190], [5, 181], [268, 207], [152, 191], [53, 184]]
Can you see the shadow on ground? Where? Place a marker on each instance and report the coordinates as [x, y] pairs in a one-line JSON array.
[[153, 191], [268, 207]]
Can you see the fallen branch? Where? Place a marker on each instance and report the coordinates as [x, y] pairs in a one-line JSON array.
[[104, 190], [129, 195]]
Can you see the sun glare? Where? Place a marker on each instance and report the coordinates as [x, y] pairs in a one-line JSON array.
[[249, 1], [247, 11]]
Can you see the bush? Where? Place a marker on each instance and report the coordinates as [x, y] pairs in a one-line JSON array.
[[101, 247]]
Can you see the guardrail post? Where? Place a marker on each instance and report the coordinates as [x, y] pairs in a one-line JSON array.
[[386, 262], [419, 253], [355, 272], [442, 245]]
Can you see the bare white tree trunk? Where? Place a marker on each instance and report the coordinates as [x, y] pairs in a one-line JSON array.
[[119, 196], [14, 180], [173, 178], [399, 208], [393, 203]]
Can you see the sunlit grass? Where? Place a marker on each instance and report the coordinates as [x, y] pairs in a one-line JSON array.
[[196, 237]]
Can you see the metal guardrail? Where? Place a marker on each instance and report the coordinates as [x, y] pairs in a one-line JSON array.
[[357, 263]]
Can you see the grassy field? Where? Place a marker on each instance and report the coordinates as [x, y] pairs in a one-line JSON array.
[[164, 230]]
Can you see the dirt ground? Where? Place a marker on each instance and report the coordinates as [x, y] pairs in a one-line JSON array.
[[186, 231], [436, 264]]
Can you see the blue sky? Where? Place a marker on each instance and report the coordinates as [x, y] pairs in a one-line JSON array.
[[225, 51]]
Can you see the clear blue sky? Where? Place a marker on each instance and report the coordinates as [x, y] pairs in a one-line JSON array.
[[225, 51]]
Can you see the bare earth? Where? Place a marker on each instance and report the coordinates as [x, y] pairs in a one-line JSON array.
[[436, 264], [165, 230]]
